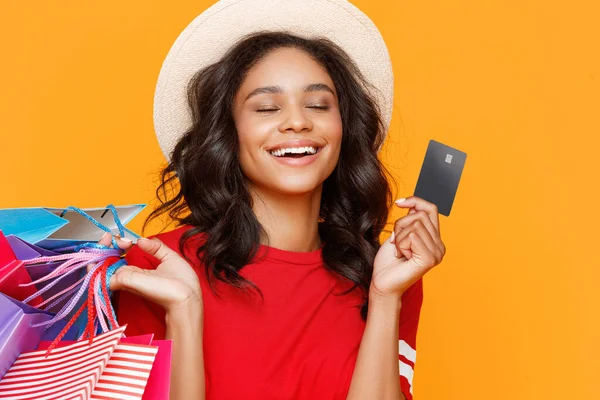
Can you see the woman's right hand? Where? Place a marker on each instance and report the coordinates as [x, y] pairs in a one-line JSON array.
[[173, 284]]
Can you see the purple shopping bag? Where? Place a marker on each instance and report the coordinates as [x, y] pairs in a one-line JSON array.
[[16, 333], [27, 251]]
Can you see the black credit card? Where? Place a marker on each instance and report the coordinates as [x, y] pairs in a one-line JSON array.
[[440, 174]]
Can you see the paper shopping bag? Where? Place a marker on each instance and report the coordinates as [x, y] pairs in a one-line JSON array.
[[30, 224], [13, 274], [54, 228], [16, 333], [126, 373], [27, 251], [66, 373], [159, 380]]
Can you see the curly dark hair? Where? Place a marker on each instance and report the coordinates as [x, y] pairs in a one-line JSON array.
[[204, 186]]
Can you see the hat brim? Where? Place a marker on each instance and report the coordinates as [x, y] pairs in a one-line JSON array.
[[212, 33]]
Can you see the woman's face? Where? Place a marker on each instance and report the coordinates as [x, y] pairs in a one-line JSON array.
[[285, 111]]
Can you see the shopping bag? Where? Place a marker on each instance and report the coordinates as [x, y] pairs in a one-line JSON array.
[[92, 313], [17, 334], [129, 373], [126, 373], [25, 251], [159, 380], [56, 228], [13, 274], [67, 372]]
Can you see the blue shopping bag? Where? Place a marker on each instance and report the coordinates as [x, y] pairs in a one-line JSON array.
[[56, 228]]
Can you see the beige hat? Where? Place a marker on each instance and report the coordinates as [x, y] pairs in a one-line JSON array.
[[211, 34]]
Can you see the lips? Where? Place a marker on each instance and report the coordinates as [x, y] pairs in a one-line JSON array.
[[297, 143], [297, 161]]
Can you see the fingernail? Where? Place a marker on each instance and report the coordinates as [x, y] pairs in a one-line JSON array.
[[395, 252], [392, 236], [143, 239], [400, 200], [126, 240], [103, 236]]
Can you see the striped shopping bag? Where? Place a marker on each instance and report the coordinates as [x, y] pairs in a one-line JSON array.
[[126, 373], [106, 369], [69, 372]]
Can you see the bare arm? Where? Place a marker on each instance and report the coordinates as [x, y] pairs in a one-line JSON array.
[[376, 374], [173, 285], [414, 248], [185, 328]]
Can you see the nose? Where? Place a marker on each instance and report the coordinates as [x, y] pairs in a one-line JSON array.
[[295, 120]]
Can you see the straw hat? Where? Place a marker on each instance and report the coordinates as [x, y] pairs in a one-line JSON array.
[[211, 34]]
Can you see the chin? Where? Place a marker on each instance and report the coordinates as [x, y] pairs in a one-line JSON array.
[[294, 186]]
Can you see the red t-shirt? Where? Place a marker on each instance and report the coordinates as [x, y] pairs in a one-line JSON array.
[[301, 342]]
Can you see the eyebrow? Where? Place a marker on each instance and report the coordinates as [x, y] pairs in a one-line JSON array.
[[313, 87]]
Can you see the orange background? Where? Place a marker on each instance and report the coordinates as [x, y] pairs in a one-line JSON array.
[[512, 312]]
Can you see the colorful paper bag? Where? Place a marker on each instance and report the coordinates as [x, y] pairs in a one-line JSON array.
[[53, 228], [25, 251], [16, 333], [69, 372], [13, 274], [158, 384]]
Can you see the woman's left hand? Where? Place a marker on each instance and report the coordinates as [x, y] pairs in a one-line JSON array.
[[414, 248]]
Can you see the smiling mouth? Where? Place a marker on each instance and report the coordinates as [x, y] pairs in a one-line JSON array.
[[297, 152]]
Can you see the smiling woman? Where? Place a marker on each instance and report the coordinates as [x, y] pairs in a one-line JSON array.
[[301, 112], [275, 285]]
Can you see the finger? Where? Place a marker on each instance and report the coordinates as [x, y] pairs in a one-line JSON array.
[[106, 239], [418, 227], [413, 242], [422, 216], [122, 243], [420, 204], [129, 278], [425, 236], [400, 238], [144, 283], [156, 248]]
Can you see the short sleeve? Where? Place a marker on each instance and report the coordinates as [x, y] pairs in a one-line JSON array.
[[141, 316], [412, 300]]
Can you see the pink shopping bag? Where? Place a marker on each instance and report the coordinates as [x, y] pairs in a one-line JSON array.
[[13, 273]]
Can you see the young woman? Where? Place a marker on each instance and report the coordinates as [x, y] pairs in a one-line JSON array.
[[275, 286]]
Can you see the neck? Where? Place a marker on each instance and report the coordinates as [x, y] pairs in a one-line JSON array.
[[290, 222]]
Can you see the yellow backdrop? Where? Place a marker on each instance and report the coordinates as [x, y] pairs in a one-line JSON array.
[[512, 312]]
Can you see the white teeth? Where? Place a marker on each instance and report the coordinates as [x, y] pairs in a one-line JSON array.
[[294, 150]]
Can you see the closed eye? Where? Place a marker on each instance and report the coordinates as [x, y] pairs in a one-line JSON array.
[[261, 110]]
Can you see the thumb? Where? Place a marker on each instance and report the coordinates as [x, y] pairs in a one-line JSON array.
[[156, 248]]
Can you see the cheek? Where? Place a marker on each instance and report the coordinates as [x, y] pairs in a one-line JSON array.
[[250, 142], [335, 135], [245, 144]]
